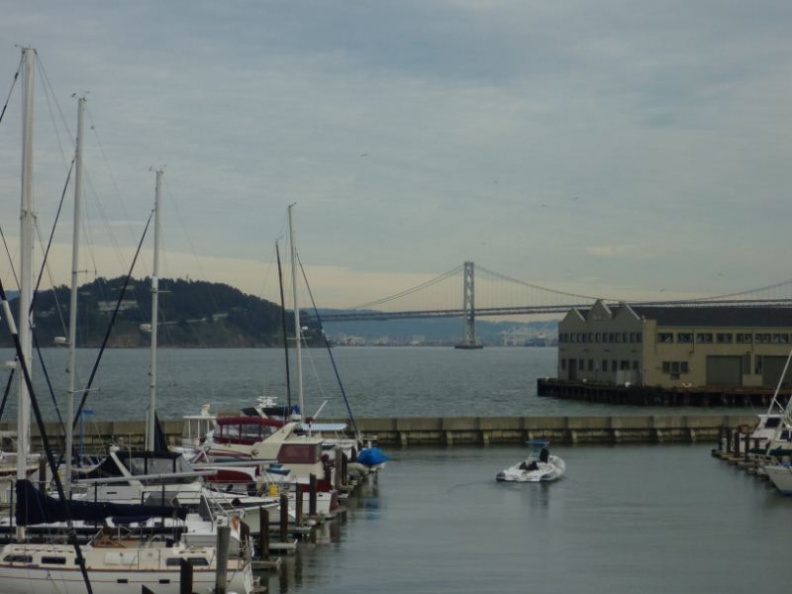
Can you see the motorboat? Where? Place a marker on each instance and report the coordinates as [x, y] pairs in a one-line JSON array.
[[540, 466]]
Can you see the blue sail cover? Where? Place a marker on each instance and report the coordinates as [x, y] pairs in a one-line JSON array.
[[34, 507], [372, 457]]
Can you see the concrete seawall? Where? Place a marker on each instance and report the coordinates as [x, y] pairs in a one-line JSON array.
[[449, 431]]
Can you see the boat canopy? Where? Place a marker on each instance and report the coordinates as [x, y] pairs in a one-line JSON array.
[[34, 507], [244, 430]]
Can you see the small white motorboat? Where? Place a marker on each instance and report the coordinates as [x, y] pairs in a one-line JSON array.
[[540, 466]]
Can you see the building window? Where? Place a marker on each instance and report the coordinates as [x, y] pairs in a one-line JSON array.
[[758, 364], [605, 365], [781, 338], [591, 364], [613, 366], [624, 365], [725, 337], [743, 338], [597, 337], [639, 336], [685, 337], [635, 365], [665, 337], [674, 368], [762, 338], [704, 337], [563, 364]]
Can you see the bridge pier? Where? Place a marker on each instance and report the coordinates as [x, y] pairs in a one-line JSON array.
[[468, 311]]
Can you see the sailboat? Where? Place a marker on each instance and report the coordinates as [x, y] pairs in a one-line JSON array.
[[107, 564]]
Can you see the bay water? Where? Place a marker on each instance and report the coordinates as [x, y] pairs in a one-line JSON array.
[[651, 518]]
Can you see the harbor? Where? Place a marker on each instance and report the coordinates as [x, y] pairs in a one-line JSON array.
[[450, 431]]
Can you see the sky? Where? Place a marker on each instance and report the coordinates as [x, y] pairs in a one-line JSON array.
[[624, 148]]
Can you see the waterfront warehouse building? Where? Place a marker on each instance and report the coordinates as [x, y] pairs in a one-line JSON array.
[[675, 346]]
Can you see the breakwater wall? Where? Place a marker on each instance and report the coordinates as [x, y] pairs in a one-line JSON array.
[[450, 431]]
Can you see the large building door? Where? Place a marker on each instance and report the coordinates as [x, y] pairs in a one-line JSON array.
[[724, 371], [772, 368], [572, 370]]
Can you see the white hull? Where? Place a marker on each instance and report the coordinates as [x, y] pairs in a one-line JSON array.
[[111, 571], [781, 476], [551, 470]]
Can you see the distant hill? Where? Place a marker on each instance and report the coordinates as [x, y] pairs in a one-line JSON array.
[[204, 314], [191, 314]]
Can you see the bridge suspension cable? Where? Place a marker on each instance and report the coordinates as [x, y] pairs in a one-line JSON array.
[[540, 288], [412, 290]]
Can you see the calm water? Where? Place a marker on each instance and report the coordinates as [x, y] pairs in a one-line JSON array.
[[626, 519], [377, 381]]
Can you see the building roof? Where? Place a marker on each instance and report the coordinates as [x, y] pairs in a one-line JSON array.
[[716, 315]]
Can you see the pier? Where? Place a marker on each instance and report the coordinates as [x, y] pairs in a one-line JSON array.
[[479, 431], [703, 396]]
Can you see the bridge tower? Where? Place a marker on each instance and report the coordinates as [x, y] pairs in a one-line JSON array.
[[469, 311]]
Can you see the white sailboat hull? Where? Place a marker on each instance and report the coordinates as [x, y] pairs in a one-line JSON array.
[[111, 571]]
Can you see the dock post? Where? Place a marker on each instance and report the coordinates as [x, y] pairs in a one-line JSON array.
[[263, 537], [284, 517], [338, 453], [223, 538], [344, 469], [298, 506], [185, 577], [312, 495]]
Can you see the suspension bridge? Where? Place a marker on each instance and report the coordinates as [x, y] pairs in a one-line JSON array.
[[479, 292]]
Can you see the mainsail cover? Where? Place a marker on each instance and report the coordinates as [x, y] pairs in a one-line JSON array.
[[34, 507]]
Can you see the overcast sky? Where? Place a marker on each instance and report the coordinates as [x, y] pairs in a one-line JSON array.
[[618, 148]]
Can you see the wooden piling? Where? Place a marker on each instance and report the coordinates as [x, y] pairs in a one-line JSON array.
[[284, 517], [337, 468], [263, 537], [312, 495], [223, 541], [298, 506], [185, 577]]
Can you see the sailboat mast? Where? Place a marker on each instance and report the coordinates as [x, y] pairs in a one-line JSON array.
[[25, 267], [26, 259], [150, 427], [297, 325], [73, 302], [283, 329]]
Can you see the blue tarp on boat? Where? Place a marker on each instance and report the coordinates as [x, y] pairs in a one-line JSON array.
[[372, 457]]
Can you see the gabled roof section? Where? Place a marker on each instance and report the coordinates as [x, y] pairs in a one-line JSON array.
[[598, 312], [574, 314], [718, 315], [623, 310]]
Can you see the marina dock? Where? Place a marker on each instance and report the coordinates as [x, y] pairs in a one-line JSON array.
[[480, 431]]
